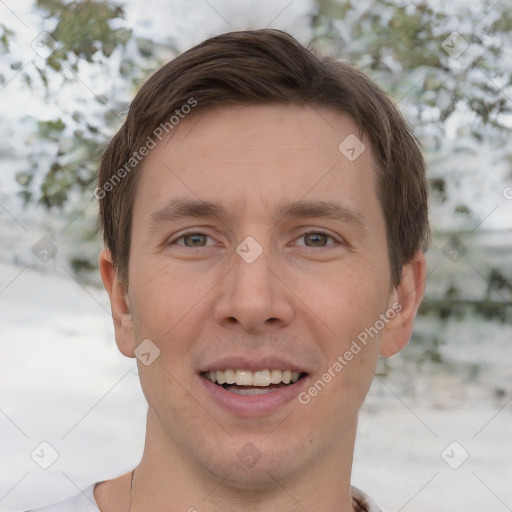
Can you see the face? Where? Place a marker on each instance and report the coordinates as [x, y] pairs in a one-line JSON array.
[[258, 249]]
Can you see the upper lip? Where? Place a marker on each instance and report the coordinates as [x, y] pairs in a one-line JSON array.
[[252, 364]]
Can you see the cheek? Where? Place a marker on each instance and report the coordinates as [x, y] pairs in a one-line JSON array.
[[351, 307], [165, 298], [172, 307], [351, 300]]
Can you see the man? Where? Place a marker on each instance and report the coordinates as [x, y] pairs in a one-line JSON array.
[[264, 211]]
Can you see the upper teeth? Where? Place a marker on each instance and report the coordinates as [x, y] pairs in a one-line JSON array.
[[248, 378]]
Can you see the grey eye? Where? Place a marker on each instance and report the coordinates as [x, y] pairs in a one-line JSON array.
[[316, 239], [195, 240]]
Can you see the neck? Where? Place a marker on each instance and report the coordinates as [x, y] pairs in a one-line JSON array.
[[168, 475]]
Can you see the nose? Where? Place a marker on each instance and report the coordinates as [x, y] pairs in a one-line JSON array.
[[254, 296]]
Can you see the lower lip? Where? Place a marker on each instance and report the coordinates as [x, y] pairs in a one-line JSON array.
[[256, 405]]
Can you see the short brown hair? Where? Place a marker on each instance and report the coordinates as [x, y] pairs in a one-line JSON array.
[[265, 67]]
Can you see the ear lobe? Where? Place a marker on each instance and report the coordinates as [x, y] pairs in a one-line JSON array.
[[409, 294], [119, 303]]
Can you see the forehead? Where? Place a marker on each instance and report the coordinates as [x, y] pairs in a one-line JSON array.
[[252, 157]]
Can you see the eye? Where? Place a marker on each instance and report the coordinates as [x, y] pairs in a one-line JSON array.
[[316, 239], [192, 240]]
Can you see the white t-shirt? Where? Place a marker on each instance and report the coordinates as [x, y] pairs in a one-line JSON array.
[[85, 502]]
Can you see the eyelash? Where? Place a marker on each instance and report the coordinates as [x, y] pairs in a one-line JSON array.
[[302, 235], [316, 232]]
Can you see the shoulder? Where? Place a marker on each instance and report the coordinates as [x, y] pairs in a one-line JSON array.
[[82, 502], [363, 502]]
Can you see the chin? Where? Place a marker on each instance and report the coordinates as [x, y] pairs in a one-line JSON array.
[[251, 468], [253, 481]]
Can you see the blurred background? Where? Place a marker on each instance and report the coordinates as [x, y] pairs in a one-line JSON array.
[[436, 429]]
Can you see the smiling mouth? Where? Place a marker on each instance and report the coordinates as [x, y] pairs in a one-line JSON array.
[[245, 382]]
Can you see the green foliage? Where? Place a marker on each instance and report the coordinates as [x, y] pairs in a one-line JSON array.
[[85, 33], [51, 129], [401, 47], [5, 37], [83, 29]]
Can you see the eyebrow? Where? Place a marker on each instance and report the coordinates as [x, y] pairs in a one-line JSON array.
[[178, 209], [323, 210]]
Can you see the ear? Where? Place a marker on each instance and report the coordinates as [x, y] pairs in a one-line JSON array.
[[406, 298], [119, 303]]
